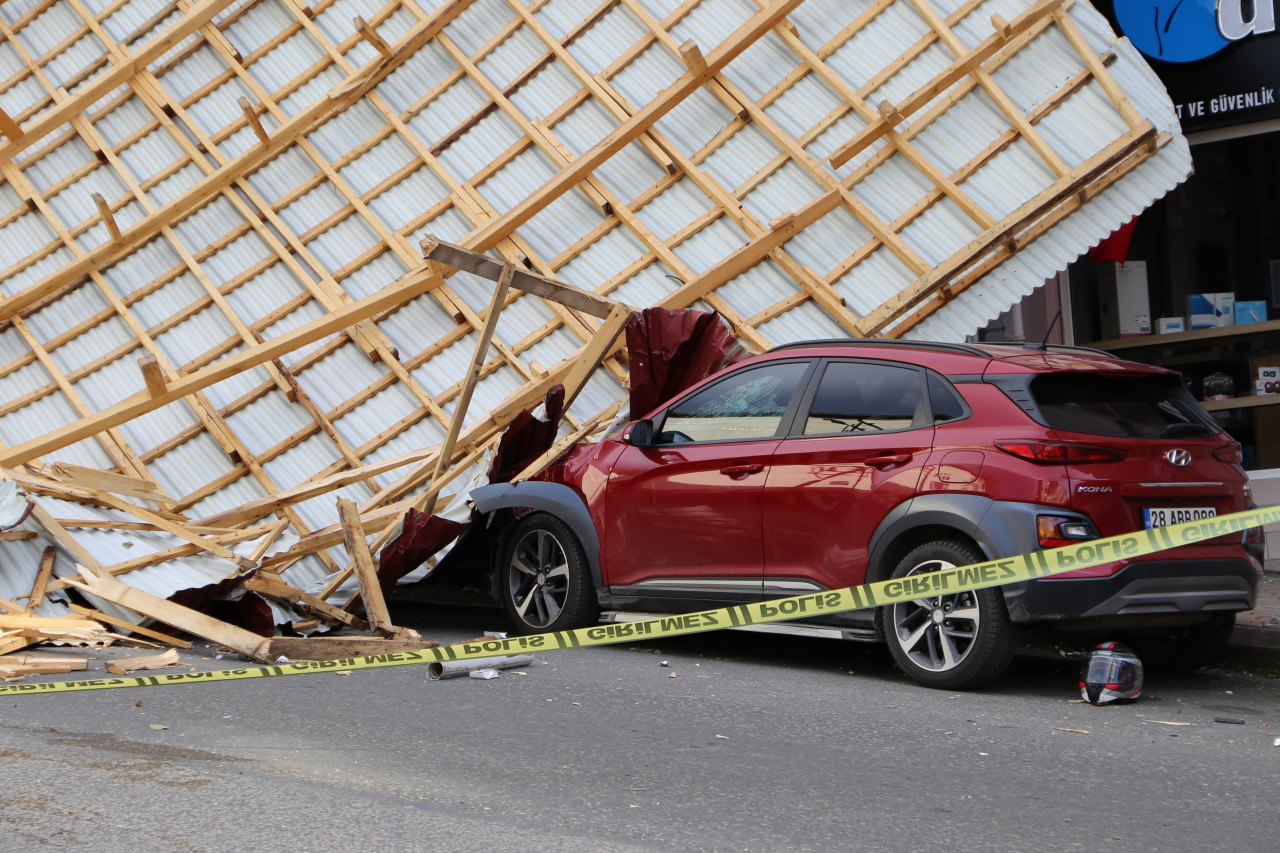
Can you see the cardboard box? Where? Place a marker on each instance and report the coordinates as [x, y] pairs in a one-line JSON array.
[[1267, 381], [1124, 308], [1210, 310], [1251, 312], [1168, 325]]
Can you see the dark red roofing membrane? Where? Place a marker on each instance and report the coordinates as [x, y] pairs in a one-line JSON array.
[[672, 349], [420, 537]]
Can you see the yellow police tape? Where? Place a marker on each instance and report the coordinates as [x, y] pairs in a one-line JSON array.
[[1037, 564]]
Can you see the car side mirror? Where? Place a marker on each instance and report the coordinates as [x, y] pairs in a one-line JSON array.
[[641, 434]]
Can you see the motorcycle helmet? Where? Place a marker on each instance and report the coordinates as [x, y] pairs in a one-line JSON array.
[[1110, 673]]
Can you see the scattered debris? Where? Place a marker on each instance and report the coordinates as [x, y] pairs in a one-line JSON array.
[[1076, 731], [455, 668], [485, 674], [1167, 722], [144, 662], [1235, 721]]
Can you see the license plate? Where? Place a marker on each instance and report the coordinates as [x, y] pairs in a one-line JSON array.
[[1159, 516]]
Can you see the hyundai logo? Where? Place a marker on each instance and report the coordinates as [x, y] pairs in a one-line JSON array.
[[1178, 457]]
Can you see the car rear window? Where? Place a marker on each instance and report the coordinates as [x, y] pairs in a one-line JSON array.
[[1128, 406]]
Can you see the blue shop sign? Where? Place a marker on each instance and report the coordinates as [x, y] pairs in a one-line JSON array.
[[1219, 59]]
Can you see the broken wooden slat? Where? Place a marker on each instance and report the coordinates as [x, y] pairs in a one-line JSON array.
[[375, 605], [75, 662], [123, 666], [183, 618], [335, 648], [99, 616], [107, 481], [47, 560]]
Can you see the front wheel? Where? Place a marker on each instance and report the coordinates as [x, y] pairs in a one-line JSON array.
[[948, 641], [543, 576]]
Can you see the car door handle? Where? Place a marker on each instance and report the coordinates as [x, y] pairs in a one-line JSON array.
[[889, 460], [742, 469]]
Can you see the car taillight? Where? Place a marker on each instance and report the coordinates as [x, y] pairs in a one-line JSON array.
[[1055, 531], [1229, 453], [1060, 452]]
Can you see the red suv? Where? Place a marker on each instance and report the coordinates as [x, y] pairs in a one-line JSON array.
[[832, 463]]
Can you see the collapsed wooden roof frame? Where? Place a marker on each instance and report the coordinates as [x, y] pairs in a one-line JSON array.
[[225, 178]]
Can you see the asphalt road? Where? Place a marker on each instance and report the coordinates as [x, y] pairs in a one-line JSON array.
[[741, 743]]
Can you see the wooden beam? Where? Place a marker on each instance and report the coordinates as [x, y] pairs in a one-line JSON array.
[[106, 481], [462, 258], [153, 375], [375, 605], [393, 296], [270, 585], [251, 116], [47, 560], [600, 345], [371, 36], [108, 218], [9, 127], [472, 378], [202, 542], [194, 622]]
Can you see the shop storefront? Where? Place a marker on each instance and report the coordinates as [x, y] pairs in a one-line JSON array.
[[1199, 289]]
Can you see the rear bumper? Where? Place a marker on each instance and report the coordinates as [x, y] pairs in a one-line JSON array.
[[1144, 591]]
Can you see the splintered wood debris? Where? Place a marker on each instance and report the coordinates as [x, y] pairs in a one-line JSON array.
[[228, 374]]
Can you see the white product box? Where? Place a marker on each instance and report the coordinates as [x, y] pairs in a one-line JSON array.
[[1268, 381], [1124, 308], [1167, 325], [1209, 310]]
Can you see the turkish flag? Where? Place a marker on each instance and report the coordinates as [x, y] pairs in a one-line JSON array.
[[1116, 246]]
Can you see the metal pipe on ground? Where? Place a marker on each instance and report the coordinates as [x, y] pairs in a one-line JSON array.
[[455, 668]]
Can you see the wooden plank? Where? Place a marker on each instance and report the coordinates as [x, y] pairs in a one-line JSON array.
[[375, 605], [339, 648], [11, 642], [99, 616], [124, 666], [106, 481], [472, 377], [594, 352], [16, 535], [183, 618], [462, 258], [153, 375], [270, 585], [75, 662], [11, 606], [47, 560]]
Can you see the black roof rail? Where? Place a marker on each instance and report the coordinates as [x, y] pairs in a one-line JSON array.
[[939, 346], [1031, 346]]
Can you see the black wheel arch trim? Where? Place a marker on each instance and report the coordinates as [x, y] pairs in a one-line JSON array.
[[553, 498], [999, 528]]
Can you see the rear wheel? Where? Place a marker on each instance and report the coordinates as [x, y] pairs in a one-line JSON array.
[[544, 579], [949, 641]]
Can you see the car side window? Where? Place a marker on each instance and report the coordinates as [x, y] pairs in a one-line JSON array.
[[943, 399], [749, 404], [862, 397]]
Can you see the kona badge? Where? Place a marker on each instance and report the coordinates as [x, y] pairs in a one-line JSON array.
[[1178, 457]]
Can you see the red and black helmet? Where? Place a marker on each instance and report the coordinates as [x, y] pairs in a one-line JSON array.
[[1111, 673]]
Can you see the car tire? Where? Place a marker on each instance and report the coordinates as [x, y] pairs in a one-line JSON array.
[[543, 577], [948, 641]]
